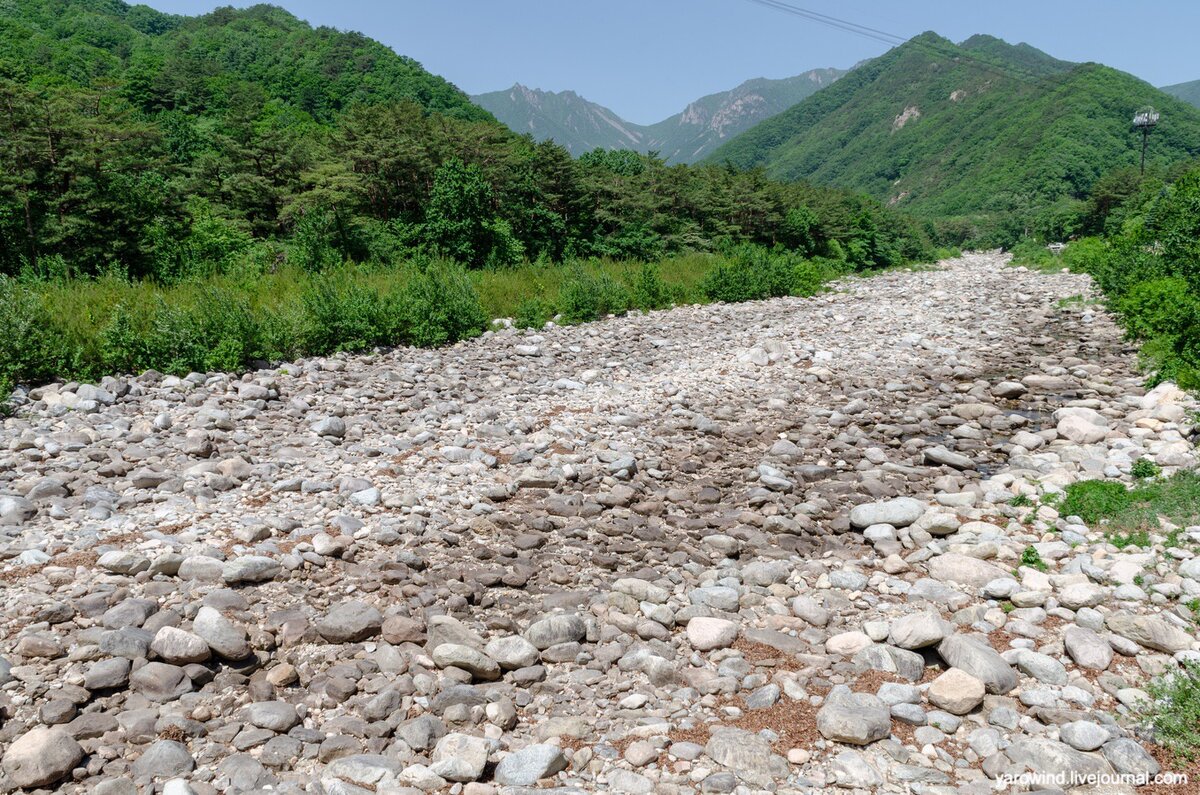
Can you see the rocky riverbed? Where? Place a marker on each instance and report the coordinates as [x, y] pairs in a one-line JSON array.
[[768, 547]]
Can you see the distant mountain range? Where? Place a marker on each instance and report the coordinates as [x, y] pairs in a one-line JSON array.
[[960, 129], [1188, 92], [686, 137]]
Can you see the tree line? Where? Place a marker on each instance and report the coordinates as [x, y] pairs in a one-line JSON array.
[[95, 182]]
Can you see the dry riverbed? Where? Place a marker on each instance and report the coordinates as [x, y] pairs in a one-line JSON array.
[[759, 547]]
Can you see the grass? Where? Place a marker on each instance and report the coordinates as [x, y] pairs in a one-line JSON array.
[[1135, 538], [1173, 712], [1131, 514], [1021, 501]]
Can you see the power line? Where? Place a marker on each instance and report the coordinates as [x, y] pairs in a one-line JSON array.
[[1002, 70]]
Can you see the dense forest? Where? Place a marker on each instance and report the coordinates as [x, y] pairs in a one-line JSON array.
[[166, 146], [987, 141]]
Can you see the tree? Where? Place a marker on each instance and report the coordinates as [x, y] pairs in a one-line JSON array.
[[460, 220]]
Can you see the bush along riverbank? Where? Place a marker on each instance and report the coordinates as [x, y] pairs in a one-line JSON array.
[[85, 329]]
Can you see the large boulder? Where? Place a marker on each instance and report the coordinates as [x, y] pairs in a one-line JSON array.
[[964, 570], [1150, 631], [900, 512], [975, 656], [956, 691], [526, 767], [41, 757], [855, 718]]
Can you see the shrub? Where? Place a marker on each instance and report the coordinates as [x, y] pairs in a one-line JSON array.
[[808, 279], [1173, 711], [342, 315], [6, 391], [32, 348], [532, 313], [590, 296], [649, 289], [751, 273], [1144, 469], [439, 306], [1033, 560]]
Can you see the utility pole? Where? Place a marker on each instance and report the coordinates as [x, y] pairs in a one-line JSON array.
[[1145, 120]]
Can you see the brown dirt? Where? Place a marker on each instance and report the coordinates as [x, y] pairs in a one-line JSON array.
[[1170, 764], [795, 722], [871, 680], [766, 656], [1001, 640]]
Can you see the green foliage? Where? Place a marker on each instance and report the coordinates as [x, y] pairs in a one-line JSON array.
[[1173, 711], [587, 295], [197, 146], [649, 290], [1134, 538], [343, 315], [440, 305], [1148, 270], [1144, 469], [1131, 513], [460, 219], [1093, 500], [1021, 501], [990, 153], [30, 348], [1031, 558], [532, 313], [751, 273]]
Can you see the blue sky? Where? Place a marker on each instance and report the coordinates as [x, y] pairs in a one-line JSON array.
[[646, 59]]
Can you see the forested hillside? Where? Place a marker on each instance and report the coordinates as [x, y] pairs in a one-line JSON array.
[[1188, 92], [990, 134], [164, 146]]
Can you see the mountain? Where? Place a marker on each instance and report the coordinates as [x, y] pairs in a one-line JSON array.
[[708, 122], [197, 64], [980, 127], [686, 137], [1188, 92], [564, 117]]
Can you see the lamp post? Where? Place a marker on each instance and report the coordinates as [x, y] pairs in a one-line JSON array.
[[1145, 120]]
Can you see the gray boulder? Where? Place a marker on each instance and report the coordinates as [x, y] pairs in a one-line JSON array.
[[900, 512], [975, 655], [526, 767], [855, 718]]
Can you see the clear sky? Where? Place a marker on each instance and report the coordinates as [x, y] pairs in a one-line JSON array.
[[646, 59]]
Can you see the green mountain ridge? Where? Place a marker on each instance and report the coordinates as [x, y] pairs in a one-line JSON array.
[[1188, 92], [195, 64], [686, 137], [978, 128]]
